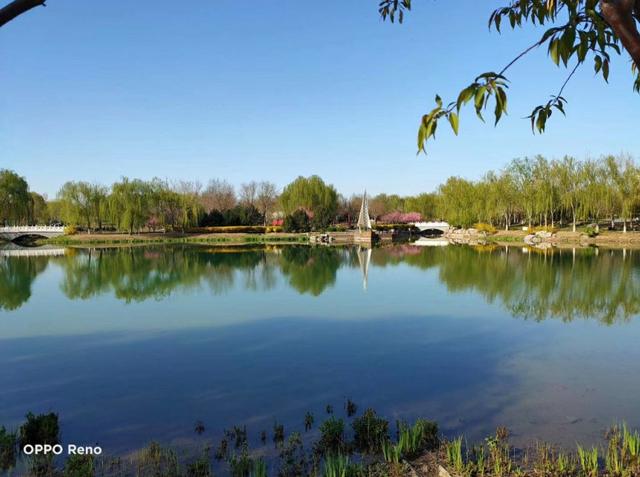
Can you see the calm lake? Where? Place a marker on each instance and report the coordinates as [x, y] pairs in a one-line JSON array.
[[129, 345]]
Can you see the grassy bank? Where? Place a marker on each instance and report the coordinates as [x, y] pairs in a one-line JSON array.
[[172, 238], [346, 443]]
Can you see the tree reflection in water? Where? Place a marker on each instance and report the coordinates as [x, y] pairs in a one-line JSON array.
[[533, 284], [16, 277]]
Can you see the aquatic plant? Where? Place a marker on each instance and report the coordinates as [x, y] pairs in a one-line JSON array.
[[308, 421], [499, 453], [588, 461], [369, 432], [222, 451], [199, 427], [263, 437], [329, 409], [336, 466], [564, 465], [391, 453], [7, 449], [79, 466], [40, 429], [412, 440], [238, 435], [623, 452], [278, 434], [340, 466], [332, 439], [422, 436], [156, 460], [454, 454], [480, 460], [293, 459], [200, 468], [259, 469], [351, 408], [241, 465]]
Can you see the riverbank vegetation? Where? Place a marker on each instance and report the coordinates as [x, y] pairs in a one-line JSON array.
[[530, 192], [349, 445]]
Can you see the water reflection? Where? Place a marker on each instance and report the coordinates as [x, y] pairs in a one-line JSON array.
[[529, 283], [16, 276]]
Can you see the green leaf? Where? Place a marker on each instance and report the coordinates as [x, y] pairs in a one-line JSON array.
[[454, 121], [553, 51]]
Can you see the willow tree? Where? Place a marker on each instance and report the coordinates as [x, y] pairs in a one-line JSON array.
[[15, 199], [130, 204], [313, 195], [83, 203], [576, 32], [626, 177]]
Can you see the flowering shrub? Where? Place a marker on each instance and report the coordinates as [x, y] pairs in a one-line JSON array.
[[482, 227], [401, 218], [70, 230], [542, 228]]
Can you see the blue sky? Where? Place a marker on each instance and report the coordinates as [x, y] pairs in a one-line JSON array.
[[272, 90]]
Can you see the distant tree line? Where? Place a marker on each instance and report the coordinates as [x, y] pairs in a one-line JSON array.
[[530, 191], [537, 191]]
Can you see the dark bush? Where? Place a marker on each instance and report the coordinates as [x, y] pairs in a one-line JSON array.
[[239, 215], [293, 460], [231, 229], [332, 439], [430, 440], [297, 222], [7, 450], [79, 466], [369, 431], [40, 429]]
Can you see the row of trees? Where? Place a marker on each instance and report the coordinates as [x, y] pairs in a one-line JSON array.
[[18, 205], [537, 191], [531, 191]]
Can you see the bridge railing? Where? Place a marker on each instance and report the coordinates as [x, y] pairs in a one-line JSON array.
[[32, 228]]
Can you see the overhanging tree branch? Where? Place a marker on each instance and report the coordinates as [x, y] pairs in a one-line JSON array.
[[621, 17], [16, 8]]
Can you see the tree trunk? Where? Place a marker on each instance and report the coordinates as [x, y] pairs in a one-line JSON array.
[[17, 7], [624, 226], [619, 14], [574, 220]]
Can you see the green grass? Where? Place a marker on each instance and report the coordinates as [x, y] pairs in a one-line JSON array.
[[69, 240], [588, 461]]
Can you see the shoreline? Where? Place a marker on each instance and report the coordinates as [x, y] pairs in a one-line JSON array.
[[560, 239], [156, 238]]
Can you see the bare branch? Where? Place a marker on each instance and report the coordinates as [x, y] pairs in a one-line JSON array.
[[16, 8]]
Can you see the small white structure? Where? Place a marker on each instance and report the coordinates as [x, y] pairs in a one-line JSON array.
[[424, 226], [12, 233], [364, 221]]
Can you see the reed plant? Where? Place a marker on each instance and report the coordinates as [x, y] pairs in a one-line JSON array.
[[454, 455], [588, 461]]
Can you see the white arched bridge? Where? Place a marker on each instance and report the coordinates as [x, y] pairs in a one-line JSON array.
[[435, 226], [47, 231]]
